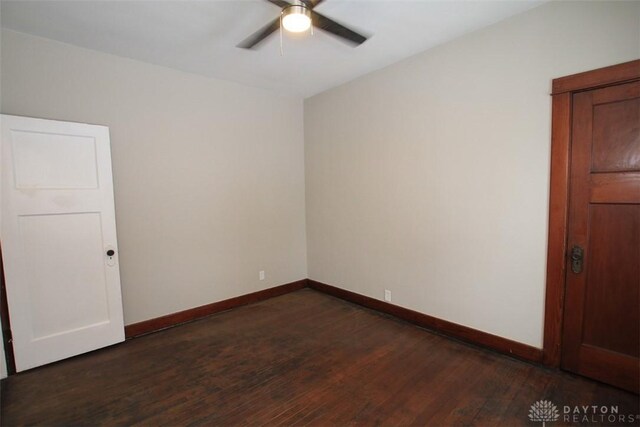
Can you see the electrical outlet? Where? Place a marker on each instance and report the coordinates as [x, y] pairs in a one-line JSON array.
[[387, 295], [261, 275]]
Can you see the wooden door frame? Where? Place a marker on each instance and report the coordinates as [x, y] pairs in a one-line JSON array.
[[562, 94]]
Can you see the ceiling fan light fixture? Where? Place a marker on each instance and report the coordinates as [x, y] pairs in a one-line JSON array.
[[296, 18]]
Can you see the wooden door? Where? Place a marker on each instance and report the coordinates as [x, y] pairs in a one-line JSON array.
[[58, 235], [601, 333]]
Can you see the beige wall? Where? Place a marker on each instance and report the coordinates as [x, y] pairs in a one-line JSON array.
[[209, 175], [430, 177]]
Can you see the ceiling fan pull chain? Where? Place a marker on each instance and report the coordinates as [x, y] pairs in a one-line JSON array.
[[281, 49]]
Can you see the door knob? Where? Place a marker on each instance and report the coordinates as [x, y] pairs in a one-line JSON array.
[[111, 252], [577, 257]]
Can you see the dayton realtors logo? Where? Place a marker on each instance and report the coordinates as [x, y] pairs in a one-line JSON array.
[[545, 411], [602, 414]]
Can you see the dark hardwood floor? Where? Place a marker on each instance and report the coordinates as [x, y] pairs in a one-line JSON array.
[[301, 358]]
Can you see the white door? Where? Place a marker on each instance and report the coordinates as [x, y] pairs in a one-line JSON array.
[[58, 236]]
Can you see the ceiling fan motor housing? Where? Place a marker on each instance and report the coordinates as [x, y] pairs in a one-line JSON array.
[[296, 18]]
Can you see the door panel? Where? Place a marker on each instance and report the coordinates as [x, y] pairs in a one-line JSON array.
[[616, 137], [611, 298], [48, 161], [57, 223], [53, 243], [601, 334]]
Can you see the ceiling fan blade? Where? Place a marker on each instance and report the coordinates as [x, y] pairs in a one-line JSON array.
[[312, 3], [280, 3], [331, 26], [255, 38]]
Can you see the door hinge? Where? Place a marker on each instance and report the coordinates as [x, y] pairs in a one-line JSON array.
[[8, 336]]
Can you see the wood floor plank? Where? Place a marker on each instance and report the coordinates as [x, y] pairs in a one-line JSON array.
[[304, 358]]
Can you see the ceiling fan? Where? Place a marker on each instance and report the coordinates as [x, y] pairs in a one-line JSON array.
[[298, 17]]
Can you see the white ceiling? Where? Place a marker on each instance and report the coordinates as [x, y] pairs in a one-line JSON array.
[[200, 36]]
